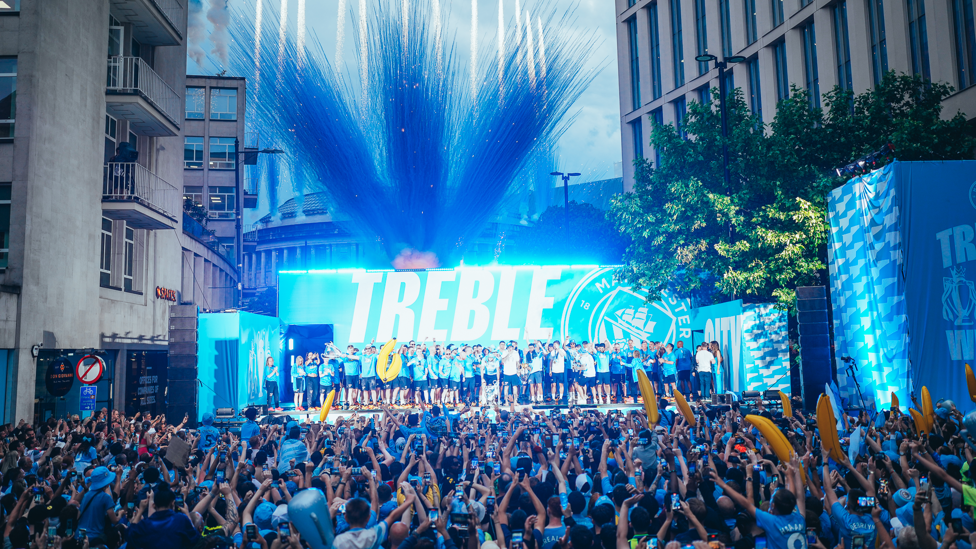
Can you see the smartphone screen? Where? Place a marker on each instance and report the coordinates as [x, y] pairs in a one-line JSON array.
[[284, 530], [857, 542], [433, 515], [252, 530], [51, 532], [516, 540], [761, 542], [498, 468], [675, 502], [811, 536]]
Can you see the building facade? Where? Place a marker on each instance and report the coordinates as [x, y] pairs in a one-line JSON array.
[[812, 44]]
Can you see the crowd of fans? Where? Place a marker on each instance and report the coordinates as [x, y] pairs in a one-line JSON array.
[[490, 478]]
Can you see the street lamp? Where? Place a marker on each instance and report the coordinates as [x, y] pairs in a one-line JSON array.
[[240, 212], [566, 177], [722, 92]]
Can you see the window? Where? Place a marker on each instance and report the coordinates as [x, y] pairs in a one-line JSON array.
[[729, 82], [227, 248], [965, 31], [637, 130], [725, 20], [129, 259], [193, 195], [805, 3], [221, 153], [193, 152], [782, 77], [752, 29], [9, 5], [631, 3], [844, 77], [704, 95], [5, 190], [223, 104], [879, 47], [8, 96], [634, 63], [777, 8], [195, 101], [134, 141], [755, 87], [105, 257], [678, 53], [810, 64], [701, 35], [919, 38], [655, 36], [222, 202], [111, 135], [680, 111], [657, 119]]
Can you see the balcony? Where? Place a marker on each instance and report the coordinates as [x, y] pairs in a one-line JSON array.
[[251, 193], [136, 93], [206, 237], [154, 22], [132, 193]]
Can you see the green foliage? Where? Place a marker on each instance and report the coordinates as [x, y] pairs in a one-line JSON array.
[[264, 303], [766, 233], [589, 238]]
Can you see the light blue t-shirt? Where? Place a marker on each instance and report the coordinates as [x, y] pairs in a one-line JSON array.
[[468, 367], [848, 525], [682, 359], [352, 365], [784, 531], [667, 364], [603, 363], [326, 371], [419, 368], [457, 369], [369, 366]]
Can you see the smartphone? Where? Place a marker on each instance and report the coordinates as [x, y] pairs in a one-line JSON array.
[[761, 542], [283, 530], [342, 508], [957, 526], [884, 487], [675, 502], [130, 505], [757, 468], [857, 542], [630, 432], [426, 478], [865, 502], [516, 540], [490, 454], [69, 528], [51, 532], [459, 489], [498, 468], [691, 468], [179, 501], [357, 470], [82, 533], [576, 442], [252, 531], [653, 544], [811, 536], [562, 455], [474, 463], [490, 502], [432, 514]]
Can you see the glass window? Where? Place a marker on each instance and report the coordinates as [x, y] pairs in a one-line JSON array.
[[965, 31], [637, 130], [111, 135], [193, 152], [777, 9], [782, 77], [223, 104], [105, 256], [729, 81], [755, 90], [655, 36], [680, 111], [844, 78], [8, 96], [634, 63], [130, 254], [221, 153], [810, 64], [193, 195], [195, 101], [701, 35], [657, 119], [879, 46], [704, 95], [222, 202], [919, 37], [5, 191], [227, 248], [752, 28], [726, 22], [677, 44], [9, 5]]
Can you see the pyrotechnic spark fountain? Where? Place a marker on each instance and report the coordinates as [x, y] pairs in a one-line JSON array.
[[301, 30], [411, 162], [340, 31], [501, 47], [474, 48], [282, 35]]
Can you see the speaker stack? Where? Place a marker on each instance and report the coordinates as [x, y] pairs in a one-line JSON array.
[[816, 369], [181, 390]]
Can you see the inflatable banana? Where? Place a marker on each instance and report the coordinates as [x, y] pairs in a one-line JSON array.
[[927, 410], [679, 399], [971, 383], [921, 428], [327, 407], [396, 363], [787, 408], [827, 425], [383, 358], [894, 400], [650, 399], [777, 440]]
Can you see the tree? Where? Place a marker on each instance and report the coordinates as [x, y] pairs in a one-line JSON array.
[[264, 303], [589, 238], [766, 233]]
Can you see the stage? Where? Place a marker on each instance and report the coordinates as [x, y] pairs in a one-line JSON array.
[[335, 414]]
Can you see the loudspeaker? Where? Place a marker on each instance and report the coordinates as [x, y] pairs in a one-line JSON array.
[[815, 363], [181, 391]]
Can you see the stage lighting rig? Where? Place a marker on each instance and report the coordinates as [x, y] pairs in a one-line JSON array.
[[867, 163]]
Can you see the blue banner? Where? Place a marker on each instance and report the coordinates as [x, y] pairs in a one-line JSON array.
[[88, 393]]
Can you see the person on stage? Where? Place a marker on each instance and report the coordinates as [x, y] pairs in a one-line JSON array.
[[327, 370], [683, 363], [603, 380], [433, 373], [368, 382], [587, 377], [271, 384], [510, 379], [469, 387], [417, 365], [558, 370], [312, 381], [668, 370], [298, 382], [618, 386], [705, 361], [491, 388], [720, 385], [351, 365], [534, 358], [401, 390], [653, 366]]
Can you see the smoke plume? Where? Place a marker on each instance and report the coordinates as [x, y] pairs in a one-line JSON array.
[[196, 32], [219, 17]]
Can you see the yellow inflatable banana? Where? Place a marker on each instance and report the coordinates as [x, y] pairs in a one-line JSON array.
[[921, 427], [383, 358], [396, 363], [679, 399], [927, 410], [827, 425], [787, 407], [327, 407], [894, 400], [777, 440], [650, 399], [971, 383]]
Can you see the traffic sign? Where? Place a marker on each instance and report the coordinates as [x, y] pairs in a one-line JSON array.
[[88, 393], [90, 369]]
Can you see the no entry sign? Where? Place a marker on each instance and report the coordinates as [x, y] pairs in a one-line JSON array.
[[90, 369]]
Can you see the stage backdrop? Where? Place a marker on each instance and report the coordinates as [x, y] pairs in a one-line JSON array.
[[232, 352], [754, 340], [902, 266], [479, 305]]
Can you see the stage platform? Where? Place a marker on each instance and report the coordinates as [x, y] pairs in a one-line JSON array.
[[344, 413]]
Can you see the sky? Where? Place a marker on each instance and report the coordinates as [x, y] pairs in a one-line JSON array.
[[590, 145]]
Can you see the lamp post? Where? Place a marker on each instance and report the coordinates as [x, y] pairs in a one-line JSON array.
[[723, 92], [240, 214], [566, 177]]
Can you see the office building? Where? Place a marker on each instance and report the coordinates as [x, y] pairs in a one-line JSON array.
[[812, 44]]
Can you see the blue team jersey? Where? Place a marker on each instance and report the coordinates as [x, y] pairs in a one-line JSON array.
[[369, 366], [603, 363], [457, 369], [419, 368], [683, 359], [297, 371], [784, 531], [352, 365], [468, 367], [433, 370], [444, 366], [668, 369], [616, 364], [848, 525], [326, 372]]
